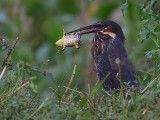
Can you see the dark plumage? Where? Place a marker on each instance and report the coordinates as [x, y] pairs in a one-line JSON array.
[[106, 47]]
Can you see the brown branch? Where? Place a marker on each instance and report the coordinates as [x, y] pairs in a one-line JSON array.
[[74, 71], [9, 52], [25, 84], [4, 70]]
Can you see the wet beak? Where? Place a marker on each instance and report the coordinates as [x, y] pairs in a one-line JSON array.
[[88, 29]]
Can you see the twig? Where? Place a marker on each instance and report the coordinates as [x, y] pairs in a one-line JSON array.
[[4, 70], [9, 52], [19, 88], [145, 110], [74, 71]]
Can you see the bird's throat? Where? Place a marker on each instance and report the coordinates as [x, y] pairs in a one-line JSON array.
[[111, 34]]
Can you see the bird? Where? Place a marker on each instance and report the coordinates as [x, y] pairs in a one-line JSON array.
[[110, 55]]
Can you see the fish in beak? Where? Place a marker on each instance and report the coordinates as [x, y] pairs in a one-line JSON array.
[[73, 38], [69, 40]]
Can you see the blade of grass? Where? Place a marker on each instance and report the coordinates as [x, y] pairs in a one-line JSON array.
[[89, 89], [55, 92], [99, 85], [106, 92], [71, 79], [148, 86], [47, 99], [38, 109], [74, 98], [75, 91], [83, 101], [61, 83]]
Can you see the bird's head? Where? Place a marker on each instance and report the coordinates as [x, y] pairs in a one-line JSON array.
[[106, 27]]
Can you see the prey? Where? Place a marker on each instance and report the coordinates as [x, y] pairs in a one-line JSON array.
[[69, 40]]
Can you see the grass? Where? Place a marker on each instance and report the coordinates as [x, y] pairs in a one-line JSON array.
[[20, 100]]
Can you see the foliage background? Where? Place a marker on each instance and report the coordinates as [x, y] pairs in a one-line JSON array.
[[38, 24]]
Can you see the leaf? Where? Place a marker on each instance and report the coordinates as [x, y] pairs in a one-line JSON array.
[[151, 26], [144, 21], [141, 6], [145, 76], [157, 29], [154, 38], [32, 85], [142, 31], [102, 109], [123, 7], [83, 101], [148, 35], [149, 12], [73, 112], [150, 54]]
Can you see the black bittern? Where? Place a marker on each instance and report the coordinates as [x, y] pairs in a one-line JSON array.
[[107, 47]]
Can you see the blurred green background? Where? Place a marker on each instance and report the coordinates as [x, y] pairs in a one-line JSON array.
[[38, 24]]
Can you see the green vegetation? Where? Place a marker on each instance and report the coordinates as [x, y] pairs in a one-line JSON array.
[[38, 83]]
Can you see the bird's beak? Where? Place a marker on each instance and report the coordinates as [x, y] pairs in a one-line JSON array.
[[88, 29]]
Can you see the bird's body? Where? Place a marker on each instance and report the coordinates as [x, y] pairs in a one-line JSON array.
[[108, 46], [105, 61]]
